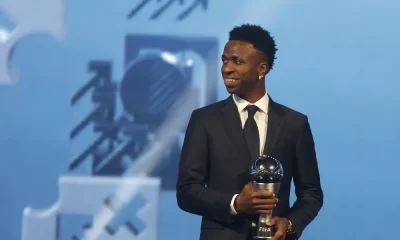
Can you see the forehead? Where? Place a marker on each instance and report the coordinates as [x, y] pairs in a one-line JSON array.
[[238, 48]]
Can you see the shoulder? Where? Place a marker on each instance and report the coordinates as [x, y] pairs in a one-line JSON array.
[[291, 116], [289, 112], [296, 123], [210, 110]]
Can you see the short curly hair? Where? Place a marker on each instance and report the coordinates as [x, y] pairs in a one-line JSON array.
[[259, 37]]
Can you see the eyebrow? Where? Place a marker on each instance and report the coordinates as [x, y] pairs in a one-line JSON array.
[[232, 56]]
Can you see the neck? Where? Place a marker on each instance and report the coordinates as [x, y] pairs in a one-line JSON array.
[[253, 97]]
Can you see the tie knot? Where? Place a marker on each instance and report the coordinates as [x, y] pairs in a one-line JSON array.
[[251, 109]]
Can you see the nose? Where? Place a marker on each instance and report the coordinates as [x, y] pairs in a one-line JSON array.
[[227, 69]]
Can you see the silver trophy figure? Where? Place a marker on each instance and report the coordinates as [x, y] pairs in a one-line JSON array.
[[266, 173]]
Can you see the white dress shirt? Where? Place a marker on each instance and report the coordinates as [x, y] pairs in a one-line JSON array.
[[261, 118]]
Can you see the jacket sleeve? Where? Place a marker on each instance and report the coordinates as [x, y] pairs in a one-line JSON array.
[[306, 179], [192, 194]]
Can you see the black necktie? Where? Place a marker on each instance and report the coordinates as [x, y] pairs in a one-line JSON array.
[[251, 133]]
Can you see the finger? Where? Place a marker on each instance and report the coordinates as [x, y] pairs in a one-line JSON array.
[[263, 194], [283, 236], [260, 201], [264, 207], [280, 233], [272, 221], [278, 236], [249, 187]]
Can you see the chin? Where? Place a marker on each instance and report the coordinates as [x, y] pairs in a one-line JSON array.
[[232, 90]]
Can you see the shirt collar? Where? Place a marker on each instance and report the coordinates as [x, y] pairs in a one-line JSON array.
[[262, 103]]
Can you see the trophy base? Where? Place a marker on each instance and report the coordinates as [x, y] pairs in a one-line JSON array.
[[266, 232]]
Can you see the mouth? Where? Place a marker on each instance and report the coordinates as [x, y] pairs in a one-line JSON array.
[[229, 79], [230, 82]]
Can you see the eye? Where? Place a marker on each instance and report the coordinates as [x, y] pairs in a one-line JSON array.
[[237, 60]]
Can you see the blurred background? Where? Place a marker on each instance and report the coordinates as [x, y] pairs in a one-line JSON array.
[[93, 91]]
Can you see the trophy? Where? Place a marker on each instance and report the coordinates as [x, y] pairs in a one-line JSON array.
[[266, 173]]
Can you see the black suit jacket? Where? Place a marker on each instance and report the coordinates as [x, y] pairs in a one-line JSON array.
[[215, 164]]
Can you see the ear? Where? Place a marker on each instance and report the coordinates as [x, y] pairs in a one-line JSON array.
[[263, 68]]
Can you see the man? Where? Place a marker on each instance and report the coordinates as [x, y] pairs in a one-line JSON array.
[[224, 138]]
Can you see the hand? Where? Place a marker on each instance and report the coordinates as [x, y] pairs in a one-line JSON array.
[[249, 201], [281, 225]]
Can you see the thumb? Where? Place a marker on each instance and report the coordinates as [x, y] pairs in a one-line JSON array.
[[249, 186], [272, 221]]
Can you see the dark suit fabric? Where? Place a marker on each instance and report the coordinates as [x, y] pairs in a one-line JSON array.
[[215, 165]]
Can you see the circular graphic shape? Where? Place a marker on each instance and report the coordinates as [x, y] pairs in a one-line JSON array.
[[150, 88]]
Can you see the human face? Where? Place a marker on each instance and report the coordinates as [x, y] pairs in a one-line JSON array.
[[241, 67]]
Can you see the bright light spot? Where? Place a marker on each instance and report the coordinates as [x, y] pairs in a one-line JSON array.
[[4, 35], [169, 57], [189, 62]]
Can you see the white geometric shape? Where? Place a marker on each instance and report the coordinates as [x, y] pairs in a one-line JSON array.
[[86, 196], [46, 16]]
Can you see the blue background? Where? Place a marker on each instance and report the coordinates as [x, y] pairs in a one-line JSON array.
[[337, 62]]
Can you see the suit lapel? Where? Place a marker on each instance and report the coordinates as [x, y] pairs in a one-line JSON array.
[[275, 124], [233, 126]]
